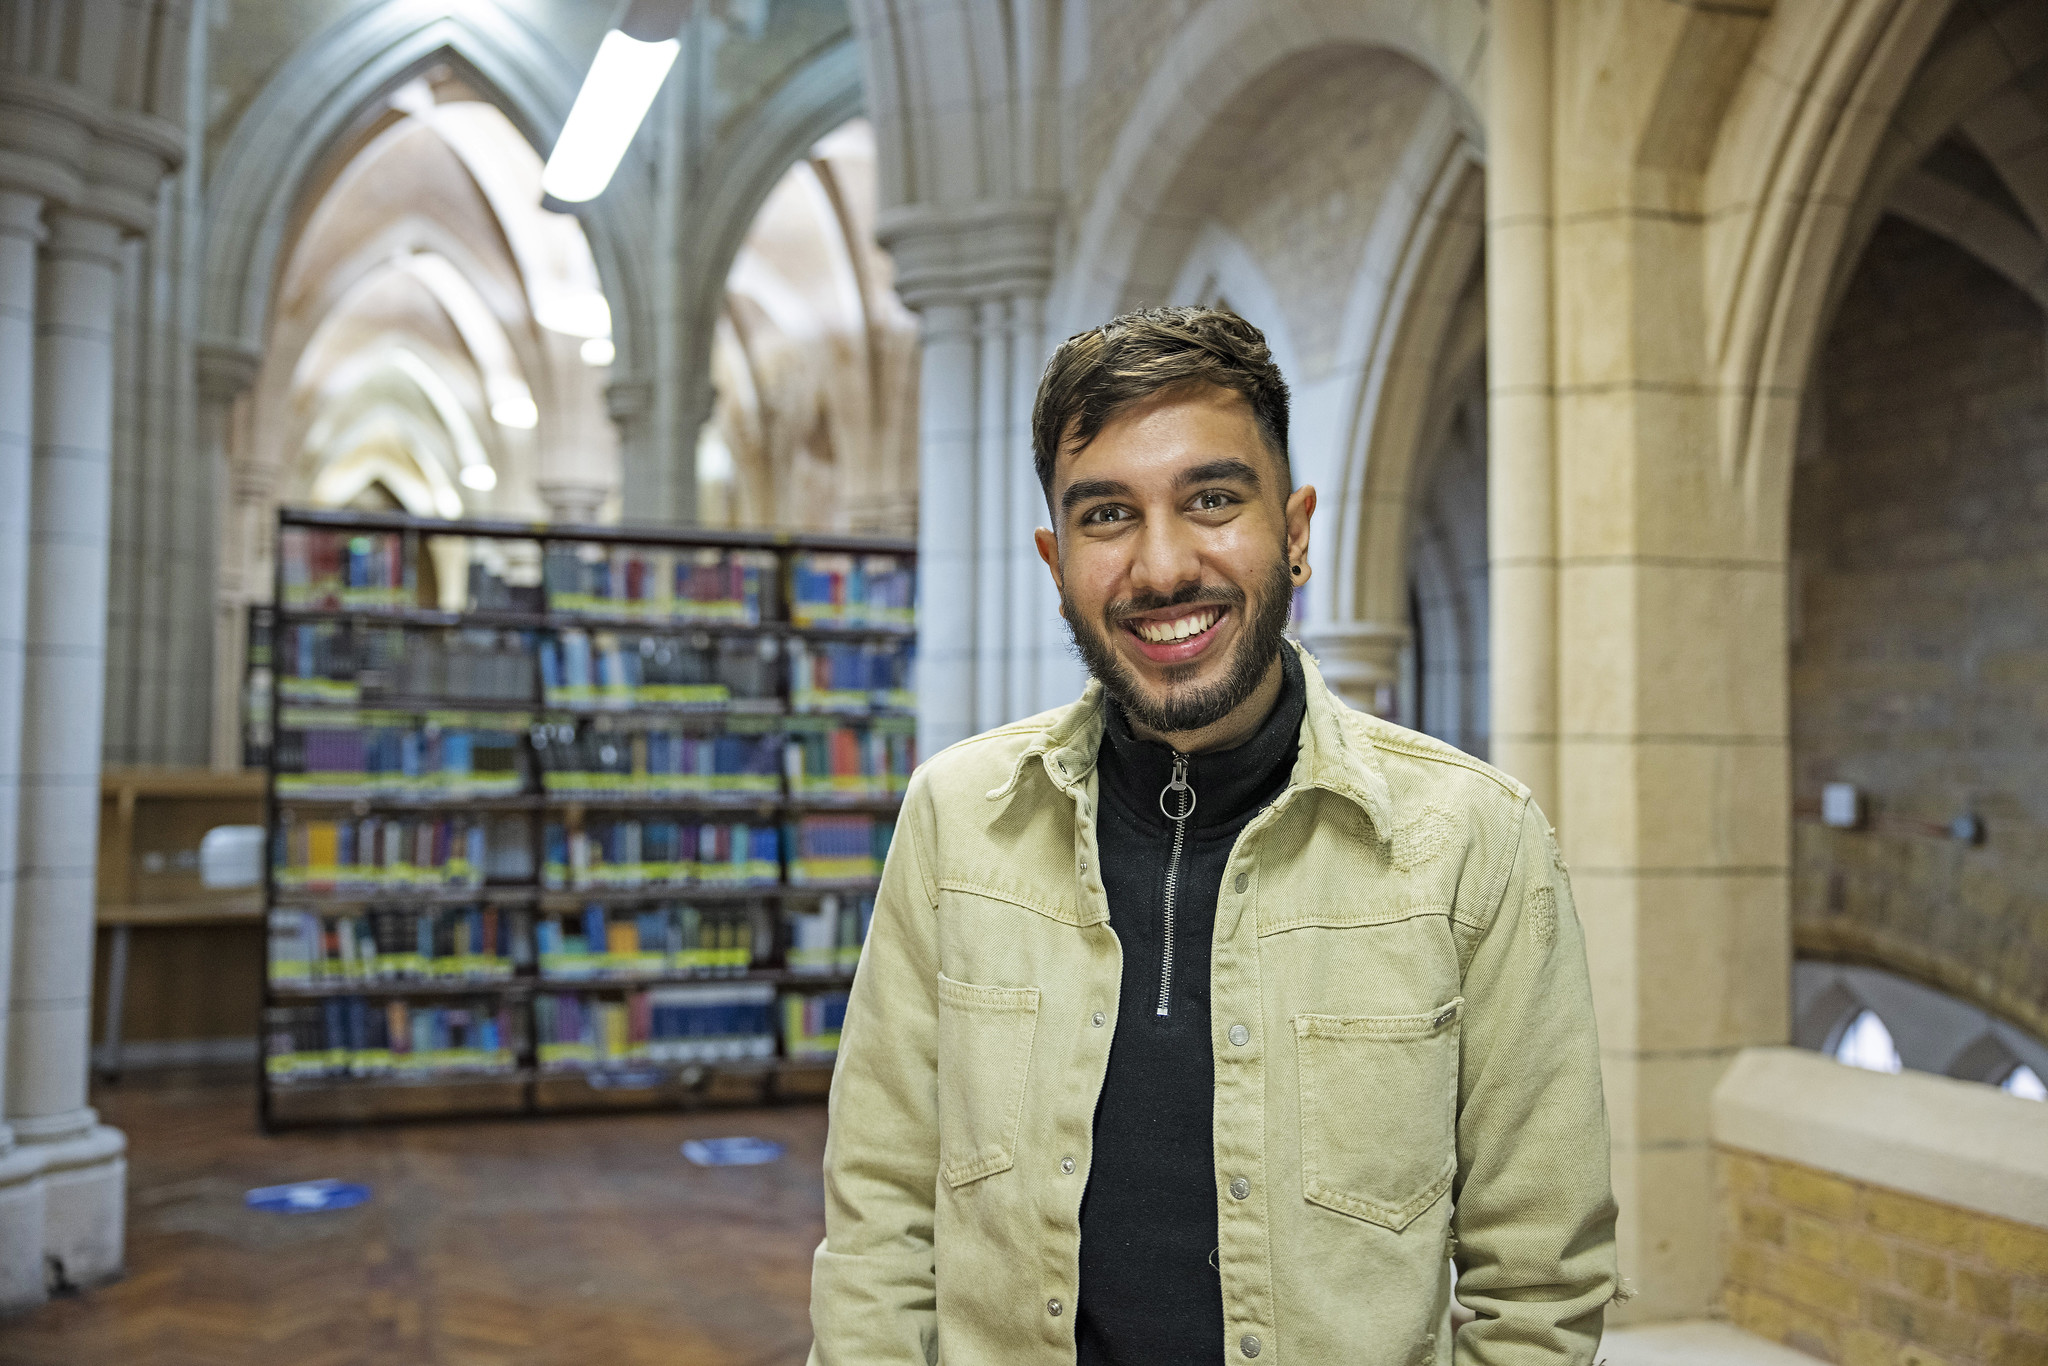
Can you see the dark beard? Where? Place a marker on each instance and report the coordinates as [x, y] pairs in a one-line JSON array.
[[1191, 709]]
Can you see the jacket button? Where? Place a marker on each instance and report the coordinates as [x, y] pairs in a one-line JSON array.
[[1240, 1036], [1243, 881], [1100, 1019], [1053, 1308], [1248, 1344], [1240, 1188], [1067, 1165]]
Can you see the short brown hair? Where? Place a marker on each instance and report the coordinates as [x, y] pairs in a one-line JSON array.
[[1097, 374]]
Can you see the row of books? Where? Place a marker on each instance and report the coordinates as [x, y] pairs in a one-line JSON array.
[[828, 938], [671, 939], [346, 753], [852, 590], [328, 661], [342, 570], [378, 851], [658, 761], [631, 852], [811, 1023], [430, 756], [840, 675], [335, 662], [839, 848], [676, 1024], [487, 942], [703, 585], [350, 1036], [844, 761], [458, 943], [372, 571], [608, 669]]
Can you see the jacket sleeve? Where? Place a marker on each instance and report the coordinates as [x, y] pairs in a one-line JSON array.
[[1535, 1210], [872, 1297]]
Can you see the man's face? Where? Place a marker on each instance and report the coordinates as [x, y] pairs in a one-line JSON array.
[[1174, 554]]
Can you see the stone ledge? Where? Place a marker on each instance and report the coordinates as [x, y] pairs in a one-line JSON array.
[[1954, 1142]]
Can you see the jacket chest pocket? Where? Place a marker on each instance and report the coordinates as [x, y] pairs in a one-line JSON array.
[[985, 1039], [1379, 1111]]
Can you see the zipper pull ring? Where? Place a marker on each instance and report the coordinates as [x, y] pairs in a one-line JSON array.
[[1178, 783]]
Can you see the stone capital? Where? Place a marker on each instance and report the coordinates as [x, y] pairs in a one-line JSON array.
[[1360, 659], [628, 400], [224, 370], [964, 253], [78, 152]]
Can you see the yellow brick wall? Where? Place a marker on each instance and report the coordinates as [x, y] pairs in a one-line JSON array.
[[1867, 1276]]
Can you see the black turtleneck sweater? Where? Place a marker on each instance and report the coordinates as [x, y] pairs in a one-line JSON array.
[[1150, 1290]]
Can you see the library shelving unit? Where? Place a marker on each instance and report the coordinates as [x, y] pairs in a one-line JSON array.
[[570, 817]]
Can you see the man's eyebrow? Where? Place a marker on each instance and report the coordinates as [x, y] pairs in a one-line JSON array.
[[1081, 490], [1220, 471]]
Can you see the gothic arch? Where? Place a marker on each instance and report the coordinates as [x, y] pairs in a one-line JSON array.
[[317, 100], [1816, 136], [1213, 58]]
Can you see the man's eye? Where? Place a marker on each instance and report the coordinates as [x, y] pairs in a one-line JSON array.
[[1212, 499], [1100, 516]]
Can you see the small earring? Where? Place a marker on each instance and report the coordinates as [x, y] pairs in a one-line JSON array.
[[1296, 570]]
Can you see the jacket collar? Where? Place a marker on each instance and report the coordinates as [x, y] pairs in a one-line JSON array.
[[1330, 755]]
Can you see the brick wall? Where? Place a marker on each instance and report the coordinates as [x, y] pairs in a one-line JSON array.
[[1920, 627], [1866, 1276]]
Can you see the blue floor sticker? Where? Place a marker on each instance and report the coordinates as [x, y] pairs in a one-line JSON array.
[[307, 1197], [731, 1152]]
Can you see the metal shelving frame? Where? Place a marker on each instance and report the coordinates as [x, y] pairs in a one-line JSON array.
[[769, 1079]]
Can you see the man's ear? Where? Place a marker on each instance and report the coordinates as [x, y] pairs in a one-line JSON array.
[[1049, 551], [1301, 507]]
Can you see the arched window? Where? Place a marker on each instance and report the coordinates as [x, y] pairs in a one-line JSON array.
[[2025, 1082], [1866, 1043]]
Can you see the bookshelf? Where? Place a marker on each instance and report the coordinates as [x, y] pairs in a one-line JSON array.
[[569, 818]]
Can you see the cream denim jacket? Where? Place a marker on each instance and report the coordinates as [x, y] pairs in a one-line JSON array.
[[1406, 1068]]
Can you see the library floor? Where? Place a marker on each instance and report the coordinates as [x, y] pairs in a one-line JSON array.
[[551, 1242]]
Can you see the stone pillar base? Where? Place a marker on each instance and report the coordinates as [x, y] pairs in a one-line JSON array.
[[86, 1203], [24, 1276], [63, 1212]]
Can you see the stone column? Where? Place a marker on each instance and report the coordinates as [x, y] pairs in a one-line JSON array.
[[1521, 507], [21, 230], [987, 613], [947, 704], [63, 685], [994, 457], [223, 373]]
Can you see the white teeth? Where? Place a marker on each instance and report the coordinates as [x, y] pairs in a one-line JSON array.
[[1166, 632]]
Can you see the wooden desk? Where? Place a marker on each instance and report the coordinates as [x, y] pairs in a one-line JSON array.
[[122, 919], [151, 822]]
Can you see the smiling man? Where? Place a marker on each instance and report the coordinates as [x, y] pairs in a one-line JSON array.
[[1207, 1019]]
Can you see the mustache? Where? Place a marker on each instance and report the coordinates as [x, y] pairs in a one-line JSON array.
[[1191, 595]]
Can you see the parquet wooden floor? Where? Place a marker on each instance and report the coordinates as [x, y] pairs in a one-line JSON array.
[[551, 1242]]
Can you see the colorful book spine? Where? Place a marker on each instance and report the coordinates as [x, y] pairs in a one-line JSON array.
[[838, 848], [358, 1036], [811, 1022], [577, 1031]]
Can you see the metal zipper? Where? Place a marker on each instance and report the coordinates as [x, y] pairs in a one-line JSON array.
[[1178, 783]]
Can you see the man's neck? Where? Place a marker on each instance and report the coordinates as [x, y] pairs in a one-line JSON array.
[[1237, 726]]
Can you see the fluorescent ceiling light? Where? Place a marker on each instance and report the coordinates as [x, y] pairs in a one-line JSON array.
[[608, 109], [479, 477], [515, 410], [598, 351]]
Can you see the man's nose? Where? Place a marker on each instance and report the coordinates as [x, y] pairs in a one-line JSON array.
[[1164, 560]]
